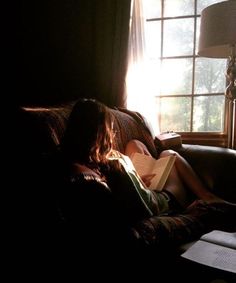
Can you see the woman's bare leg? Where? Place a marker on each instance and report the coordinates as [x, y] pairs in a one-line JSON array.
[[189, 179], [136, 146], [182, 178], [173, 184]]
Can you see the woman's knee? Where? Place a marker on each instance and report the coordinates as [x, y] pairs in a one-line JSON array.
[[136, 146], [168, 152]]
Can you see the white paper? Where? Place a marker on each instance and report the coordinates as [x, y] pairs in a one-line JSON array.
[[221, 238], [213, 255], [145, 164]]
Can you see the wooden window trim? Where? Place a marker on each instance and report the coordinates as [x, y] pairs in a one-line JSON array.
[[210, 139]]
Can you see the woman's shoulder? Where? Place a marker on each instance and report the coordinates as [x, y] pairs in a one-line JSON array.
[[122, 159], [117, 155]]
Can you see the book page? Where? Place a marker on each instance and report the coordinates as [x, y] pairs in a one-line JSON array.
[[222, 238], [162, 170], [212, 255], [145, 164]]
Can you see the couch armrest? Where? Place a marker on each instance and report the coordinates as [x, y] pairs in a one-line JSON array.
[[215, 166]]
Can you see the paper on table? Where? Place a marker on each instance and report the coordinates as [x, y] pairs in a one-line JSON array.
[[214, 254]]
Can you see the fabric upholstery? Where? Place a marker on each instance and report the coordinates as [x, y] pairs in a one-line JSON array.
[[188, 225], [53, 122], [41, 131], [44, 128]]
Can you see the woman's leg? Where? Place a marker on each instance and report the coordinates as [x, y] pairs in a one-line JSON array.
[[182, 179], [174, 184], [182, 172], [136, 146]]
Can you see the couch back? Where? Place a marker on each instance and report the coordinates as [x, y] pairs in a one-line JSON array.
[[44, 127], [38, 133]]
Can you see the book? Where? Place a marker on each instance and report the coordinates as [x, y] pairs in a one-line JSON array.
[[146, 164], [216, 249]]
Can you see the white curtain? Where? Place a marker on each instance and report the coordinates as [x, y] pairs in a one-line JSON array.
[[139, 80]]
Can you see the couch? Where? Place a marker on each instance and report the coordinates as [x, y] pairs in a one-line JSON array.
[[39, 130]]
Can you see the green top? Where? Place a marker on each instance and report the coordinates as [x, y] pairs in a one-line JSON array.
[[155, 202]]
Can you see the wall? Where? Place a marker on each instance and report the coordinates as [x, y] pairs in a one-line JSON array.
[[53, 51]]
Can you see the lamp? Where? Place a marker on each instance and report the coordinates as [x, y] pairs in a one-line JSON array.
[[218, 40]]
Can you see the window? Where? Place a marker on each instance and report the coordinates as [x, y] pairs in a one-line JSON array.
[[187, 91]]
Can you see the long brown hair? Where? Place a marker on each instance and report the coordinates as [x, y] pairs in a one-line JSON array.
[[88, 138]]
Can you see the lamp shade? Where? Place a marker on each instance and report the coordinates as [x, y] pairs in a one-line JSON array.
[[218, 30]]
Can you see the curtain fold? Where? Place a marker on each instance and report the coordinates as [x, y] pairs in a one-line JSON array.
[[141, 75], [69, 49], [110, 49]]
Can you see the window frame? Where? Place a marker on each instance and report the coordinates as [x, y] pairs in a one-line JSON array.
[[204, 138]]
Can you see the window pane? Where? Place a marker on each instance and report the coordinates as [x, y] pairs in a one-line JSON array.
[[153, 39], [175, 114], [152, 8], [178, 37], [180, 100], [210, 75], [153, 77], [208, 114], [201, 4], [176, 76], [173, 8]]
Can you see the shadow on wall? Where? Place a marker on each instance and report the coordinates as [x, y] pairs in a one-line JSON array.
[[54, 45]]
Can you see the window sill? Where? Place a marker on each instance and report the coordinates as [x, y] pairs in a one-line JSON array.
[[210, 139]]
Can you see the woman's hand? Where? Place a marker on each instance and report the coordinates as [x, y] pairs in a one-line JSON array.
[[147, 179]]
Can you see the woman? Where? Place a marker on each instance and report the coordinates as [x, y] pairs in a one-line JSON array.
[[90, 158], [182, 178]]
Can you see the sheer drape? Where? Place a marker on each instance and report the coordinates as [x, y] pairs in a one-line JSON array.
[[139, 79]]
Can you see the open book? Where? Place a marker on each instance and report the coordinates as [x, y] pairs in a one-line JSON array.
[[145, 165], [216, 249]]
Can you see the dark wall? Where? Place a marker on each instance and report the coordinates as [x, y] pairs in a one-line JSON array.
[[53, 51]]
